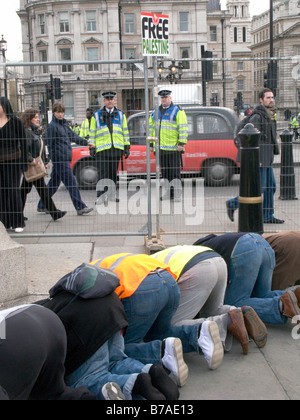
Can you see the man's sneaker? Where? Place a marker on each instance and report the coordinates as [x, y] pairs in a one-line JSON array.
[[83, 211], [112, 391], [173, 360], [43, 210], [210, 343]]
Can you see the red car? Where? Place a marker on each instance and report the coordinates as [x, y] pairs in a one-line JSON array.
[[210, 151]]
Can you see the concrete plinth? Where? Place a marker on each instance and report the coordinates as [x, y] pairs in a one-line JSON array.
[[13, 283]]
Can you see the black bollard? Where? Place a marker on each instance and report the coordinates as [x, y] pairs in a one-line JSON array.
[[250, 198], [287, 173]]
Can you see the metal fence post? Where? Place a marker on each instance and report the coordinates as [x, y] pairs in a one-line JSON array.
[[287, 173], [250, 198]]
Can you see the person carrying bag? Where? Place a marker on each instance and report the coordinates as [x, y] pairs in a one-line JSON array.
[[36, 171]]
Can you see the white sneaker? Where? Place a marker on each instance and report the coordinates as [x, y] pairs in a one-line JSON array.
[[173, 360], [112, 391], [19, 230], [210, 343]]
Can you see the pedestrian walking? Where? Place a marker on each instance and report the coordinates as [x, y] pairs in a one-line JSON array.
[[263, 119], [13, 162], [59, 137], [173, 133], [31, 120], [109, 136]]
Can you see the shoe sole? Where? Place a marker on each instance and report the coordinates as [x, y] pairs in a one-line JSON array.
[[294, 300], [182, 368], [112, 391], [255, 328], [218, 353]]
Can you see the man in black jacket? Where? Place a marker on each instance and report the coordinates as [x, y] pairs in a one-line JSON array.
[[59, 137], [263, 119]]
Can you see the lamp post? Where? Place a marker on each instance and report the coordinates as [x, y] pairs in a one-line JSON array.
[[174, 74], [132, 80], [3, 47]]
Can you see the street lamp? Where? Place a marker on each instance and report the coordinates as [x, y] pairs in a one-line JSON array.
[[3, 47], [175, 72]]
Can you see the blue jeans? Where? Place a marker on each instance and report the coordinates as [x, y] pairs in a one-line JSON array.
[[268, 189], [250, 278], [149, 312], [108, 364], [62, 172]]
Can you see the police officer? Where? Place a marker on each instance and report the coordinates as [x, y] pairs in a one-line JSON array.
[[109, 135], [85, 126], [173, 132]]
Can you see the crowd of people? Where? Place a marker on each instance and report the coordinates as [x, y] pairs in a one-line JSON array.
[[117, 328]]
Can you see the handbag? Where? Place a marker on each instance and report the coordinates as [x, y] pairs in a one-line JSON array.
[[37, 170]]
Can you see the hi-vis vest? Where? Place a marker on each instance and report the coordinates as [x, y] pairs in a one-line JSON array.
[[101, 137], [173, 128], [178, 256], [85, 128], [131, 270]]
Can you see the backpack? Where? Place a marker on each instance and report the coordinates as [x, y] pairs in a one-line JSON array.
[[238, 128]]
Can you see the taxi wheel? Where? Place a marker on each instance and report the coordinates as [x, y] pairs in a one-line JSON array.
[[217, 173]]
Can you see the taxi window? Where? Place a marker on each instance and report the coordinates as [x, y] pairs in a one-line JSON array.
[[190, 124], [210, 124], [137, 130]]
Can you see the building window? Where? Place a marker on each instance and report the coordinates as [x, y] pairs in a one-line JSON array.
[[298, 74], [183, 21], [235, 34], [65, 55], [244, 34], [240, 65], [69, 104], [42, 24], [185, 53], [43, 57], [240, 85], [94, 99], [213, 33], [91, 21], [129, 23], [92, 55], [215, 67], [64, 22]]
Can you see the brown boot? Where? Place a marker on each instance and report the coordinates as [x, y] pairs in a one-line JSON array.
[[255, 327], [290, 304], [238, 329]]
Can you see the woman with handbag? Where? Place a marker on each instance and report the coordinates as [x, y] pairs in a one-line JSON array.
[[13, 161], [36, 154]]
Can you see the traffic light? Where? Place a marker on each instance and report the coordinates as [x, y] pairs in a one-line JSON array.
[[239, 99], [270, 77], [49, 91], [57, 88], [207, 66]]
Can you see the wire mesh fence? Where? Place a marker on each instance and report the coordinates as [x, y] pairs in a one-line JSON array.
[[65, 202]]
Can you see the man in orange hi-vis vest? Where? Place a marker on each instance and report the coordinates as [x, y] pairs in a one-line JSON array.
[[150, 295]]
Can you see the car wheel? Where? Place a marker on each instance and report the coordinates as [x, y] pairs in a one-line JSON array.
[[217, 173], [86, 175]]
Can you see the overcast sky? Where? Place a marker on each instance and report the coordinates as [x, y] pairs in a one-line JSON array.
[[10, 25]]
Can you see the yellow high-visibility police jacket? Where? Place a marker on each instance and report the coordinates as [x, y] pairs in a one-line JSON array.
[[131, 270], [100, 135], [178, 256], [85, 129], [173, 128]]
